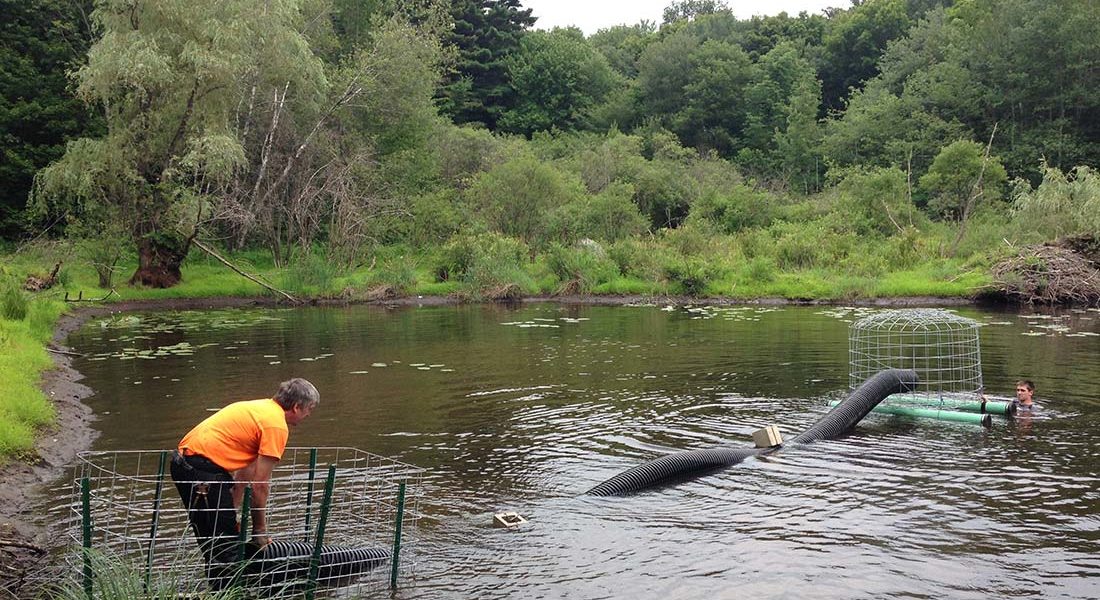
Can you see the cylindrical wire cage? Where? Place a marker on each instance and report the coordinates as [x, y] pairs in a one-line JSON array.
[[941, 346], [125, 507]]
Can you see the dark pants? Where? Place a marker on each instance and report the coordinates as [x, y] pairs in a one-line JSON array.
[[207, 492]]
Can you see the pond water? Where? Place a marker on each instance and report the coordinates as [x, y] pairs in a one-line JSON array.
[[526, 408]]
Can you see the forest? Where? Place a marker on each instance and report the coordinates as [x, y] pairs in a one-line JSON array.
[[380, 148]]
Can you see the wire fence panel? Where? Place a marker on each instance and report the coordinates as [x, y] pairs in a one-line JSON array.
[[134, 519]]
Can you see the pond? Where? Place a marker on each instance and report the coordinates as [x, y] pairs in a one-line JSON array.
[[526, 408]]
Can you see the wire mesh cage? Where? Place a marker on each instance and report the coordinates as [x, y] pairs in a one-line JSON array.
[[941, 346], [343, 522]]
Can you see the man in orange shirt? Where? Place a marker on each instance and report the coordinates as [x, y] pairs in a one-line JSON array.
[[233, 448]]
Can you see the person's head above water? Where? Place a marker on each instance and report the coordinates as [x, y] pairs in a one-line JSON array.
[[1024, 391]]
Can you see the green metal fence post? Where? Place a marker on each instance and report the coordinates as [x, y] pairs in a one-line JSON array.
[[242, 535], [86, 510], [309, 488], [156, 519], [315, 562], [397, 534]]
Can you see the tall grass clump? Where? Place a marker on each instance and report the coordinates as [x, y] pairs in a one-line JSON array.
[[397, 277], [116, 580], [13, 303], [1064, 204], [760, 269], [309, 273], [580, 268], [691, 275], [639, 258]]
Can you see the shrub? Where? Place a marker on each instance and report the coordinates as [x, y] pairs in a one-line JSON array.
[[462, 253], [609, 216], [397, 277], [464, 152], [874, 201], [580, 268], [615, 157], [490, 266], [663, 193], [960, 173], [638, 258], [434, 218], [798, 246], [1064, 204], [516, 197], [691, 274], [740, 207], [689, 240]]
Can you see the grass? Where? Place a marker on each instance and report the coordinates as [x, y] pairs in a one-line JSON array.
[[115, 580], [23, 407]]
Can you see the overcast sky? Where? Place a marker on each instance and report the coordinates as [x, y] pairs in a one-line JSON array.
[[593, 15]]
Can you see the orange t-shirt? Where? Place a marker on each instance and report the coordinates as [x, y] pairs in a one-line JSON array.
[[234, 436]]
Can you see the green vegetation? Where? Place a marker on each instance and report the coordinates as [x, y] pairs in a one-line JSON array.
[[115, 580], [25, 328]]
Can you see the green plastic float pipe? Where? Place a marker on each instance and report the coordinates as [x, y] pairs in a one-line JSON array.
[[315, 561], [309, 488], [156, 519], [397, 534], [993, 407], [931, 413], [86, 514]]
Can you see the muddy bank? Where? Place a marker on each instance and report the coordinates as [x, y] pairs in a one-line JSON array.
[[23, 538]]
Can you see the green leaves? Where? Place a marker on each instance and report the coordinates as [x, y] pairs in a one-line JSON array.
[[960, 175], [557, 80], [1064, 204]]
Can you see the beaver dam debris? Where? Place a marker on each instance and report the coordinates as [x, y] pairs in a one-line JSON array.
[[1062, 273]]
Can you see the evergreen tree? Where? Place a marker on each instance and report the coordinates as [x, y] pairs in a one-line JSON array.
[[486, 35], [39, 41]]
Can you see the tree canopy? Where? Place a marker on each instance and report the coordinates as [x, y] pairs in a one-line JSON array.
[[329, 125]]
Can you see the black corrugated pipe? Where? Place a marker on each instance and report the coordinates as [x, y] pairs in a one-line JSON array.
[[284, 565], [845, 415], [682, 465]]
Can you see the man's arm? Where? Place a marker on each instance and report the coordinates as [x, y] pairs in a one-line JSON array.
[[259, 475]]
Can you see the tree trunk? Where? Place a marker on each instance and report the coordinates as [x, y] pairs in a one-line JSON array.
[[158, 263]]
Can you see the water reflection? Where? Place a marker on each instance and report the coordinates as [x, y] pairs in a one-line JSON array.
[[526, 408]]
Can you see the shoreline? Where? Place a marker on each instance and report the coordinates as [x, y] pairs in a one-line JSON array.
[[57, 447]]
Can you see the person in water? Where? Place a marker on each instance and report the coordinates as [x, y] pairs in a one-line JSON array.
[[234, 448], [1025, 390]]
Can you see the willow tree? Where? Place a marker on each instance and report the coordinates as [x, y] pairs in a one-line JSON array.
[[171, 77]]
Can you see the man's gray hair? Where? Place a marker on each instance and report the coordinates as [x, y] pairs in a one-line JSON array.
[[297, 392]]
